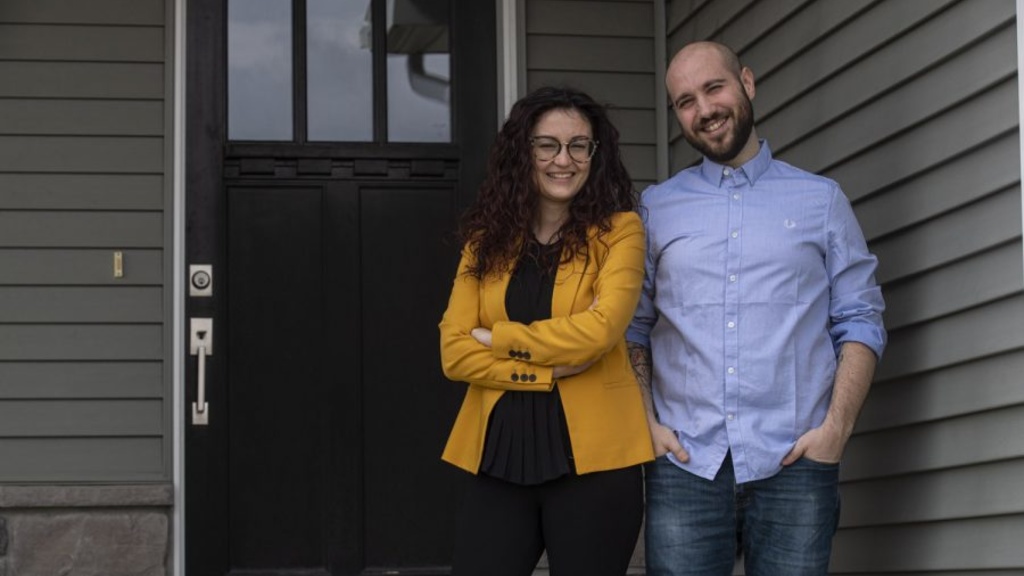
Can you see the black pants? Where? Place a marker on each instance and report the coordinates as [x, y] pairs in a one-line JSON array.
[[588, 524]]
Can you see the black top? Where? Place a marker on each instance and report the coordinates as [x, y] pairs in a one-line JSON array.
[[527, 437]]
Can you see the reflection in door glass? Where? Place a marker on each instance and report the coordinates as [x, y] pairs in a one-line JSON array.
[[419, 76], [259, 70], [339, 70]]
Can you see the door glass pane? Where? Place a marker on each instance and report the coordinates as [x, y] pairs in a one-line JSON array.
[[419, 75], [339, 70], [259, 70]]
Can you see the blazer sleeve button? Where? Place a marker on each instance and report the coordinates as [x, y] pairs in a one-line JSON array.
[[526, 355], [533, 377], [515, 377]]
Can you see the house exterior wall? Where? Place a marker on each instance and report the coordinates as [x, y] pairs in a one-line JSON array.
[[85, 171], [912, 108]]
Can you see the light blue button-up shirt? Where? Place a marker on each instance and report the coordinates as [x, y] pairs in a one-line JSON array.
[[755, 278]]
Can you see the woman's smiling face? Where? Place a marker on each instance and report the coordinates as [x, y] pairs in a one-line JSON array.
[[559, 179]]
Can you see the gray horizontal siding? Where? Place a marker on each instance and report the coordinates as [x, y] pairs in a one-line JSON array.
[[27, 267], [970, 387], [81, 80], [81, 342], [81, 459], [100, 12], [84, 173], [81, 229], [63, 418], [126, 155], [85, 304], [94, 379], [609, 19], [81, 191], [912, 107], [973, 545], [960, 337], [970, 230], [591, 53], [938, 445], [605, 48], [635, 91], [81, 43], [966, 283], [981, 490], [975, 174], [81, 117]]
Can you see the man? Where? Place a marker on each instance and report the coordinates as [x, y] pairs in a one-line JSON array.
[[755, 340]]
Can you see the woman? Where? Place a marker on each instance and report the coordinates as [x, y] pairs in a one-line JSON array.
[[553, 424]]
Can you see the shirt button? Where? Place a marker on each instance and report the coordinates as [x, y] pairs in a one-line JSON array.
[[735, 234], [731, 370], [732, 277], [726, 172], [731, 416], [731, 324], [735, 196]]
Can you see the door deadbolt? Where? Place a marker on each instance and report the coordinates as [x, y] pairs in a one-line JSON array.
[[200, 280]]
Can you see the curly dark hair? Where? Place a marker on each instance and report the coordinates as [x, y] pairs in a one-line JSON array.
[[498, 223]]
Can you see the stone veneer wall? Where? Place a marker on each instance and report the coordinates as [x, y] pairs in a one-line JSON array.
[[85, 530]]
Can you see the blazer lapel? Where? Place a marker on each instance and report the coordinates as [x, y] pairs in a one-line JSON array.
[[568, 280]]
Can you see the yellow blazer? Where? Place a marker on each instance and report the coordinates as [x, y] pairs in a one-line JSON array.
[[603, 407]]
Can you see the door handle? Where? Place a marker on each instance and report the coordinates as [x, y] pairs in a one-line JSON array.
[[201, 345]]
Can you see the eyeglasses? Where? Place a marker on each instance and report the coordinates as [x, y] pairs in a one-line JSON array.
[[546, 148]]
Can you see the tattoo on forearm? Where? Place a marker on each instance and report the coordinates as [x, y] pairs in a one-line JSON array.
[[640, 359]]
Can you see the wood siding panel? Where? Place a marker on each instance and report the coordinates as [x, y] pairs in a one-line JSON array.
[[594, 54], [913, 90], [975, 386], [971, 545], [949, 443], [81, 154], [978, 173], [68, 380], [57, 418], [971, 230], [982, 490], [963, 284], [85, 157], [81, 80], [974, 333], [81, 342], [634, 126], [803, 29], [975, 122], [590, 18], [706, 20], [958, 80], [840, 49], [619, 90], [21, 267], [85, 304], [81, 459], [81, 229], [122, 12], [81, 191], [81, 43], [81, 117]]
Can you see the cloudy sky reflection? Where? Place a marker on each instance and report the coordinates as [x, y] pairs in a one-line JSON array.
[[339, 77]]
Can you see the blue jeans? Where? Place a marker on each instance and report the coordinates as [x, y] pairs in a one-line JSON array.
[[783, 525]]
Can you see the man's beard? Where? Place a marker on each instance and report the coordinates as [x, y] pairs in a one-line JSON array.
[[742, 126]]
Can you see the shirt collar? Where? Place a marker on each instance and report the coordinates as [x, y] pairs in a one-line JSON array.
[[714, 172]]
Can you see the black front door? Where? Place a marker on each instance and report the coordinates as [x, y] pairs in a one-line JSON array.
[[329, 241]]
